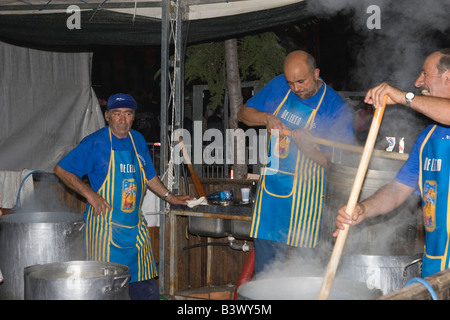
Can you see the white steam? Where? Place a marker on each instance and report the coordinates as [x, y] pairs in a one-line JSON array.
[[409, 31]]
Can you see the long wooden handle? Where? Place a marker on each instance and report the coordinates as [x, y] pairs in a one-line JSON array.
[[353, 148], [352, 201], [197, 184]]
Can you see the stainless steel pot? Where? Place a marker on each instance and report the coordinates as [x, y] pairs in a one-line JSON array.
[[304, 288], [391, 234], [77, 280], [389, 273], [32, 238]]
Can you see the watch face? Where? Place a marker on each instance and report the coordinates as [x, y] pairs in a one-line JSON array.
[[409, 95]]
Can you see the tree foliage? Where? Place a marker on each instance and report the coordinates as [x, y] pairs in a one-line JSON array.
[[260, 58]]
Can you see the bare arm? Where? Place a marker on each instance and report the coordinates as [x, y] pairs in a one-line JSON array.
[[253, 117], [156, 185], [386, 199], [435, 108], [99, 204]]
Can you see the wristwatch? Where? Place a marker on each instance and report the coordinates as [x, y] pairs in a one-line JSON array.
[[166, 195], [408, 98]]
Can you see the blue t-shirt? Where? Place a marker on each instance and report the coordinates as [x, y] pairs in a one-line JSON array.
[[91, 157], [334, 120], [409, 172]]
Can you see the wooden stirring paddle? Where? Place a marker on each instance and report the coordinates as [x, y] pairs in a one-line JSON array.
[[352, 201]]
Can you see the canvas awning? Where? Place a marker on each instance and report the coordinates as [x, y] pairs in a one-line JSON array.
[[138, 22]]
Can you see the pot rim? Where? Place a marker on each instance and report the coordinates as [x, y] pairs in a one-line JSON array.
[[41, 217], [378, 261], [37, 271]]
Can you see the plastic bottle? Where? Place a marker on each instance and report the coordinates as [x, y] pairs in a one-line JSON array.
[[253, 191], [221, 196]]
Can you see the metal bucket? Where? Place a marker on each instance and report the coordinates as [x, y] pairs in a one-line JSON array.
[[32, 238], [389, 273], [390, 234], [77, 280], [304, 288]]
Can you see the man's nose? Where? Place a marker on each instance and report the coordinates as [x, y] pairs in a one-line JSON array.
[[419, 81], [122, 116], [297, 86]]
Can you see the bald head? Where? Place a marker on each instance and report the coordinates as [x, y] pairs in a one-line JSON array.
[[299, 57], [302, 74]]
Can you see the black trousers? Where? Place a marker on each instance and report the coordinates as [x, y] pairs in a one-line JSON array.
[[144, 290]]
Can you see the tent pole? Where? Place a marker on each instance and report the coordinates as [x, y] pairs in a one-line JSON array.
[[172, 85]]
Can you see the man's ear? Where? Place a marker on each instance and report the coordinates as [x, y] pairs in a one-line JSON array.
[[446, 78], [316, 74]]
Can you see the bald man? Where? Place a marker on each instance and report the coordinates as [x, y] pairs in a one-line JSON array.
[[288, 207], [427, 169]]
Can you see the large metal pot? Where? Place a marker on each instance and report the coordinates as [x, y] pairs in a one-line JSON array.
[[390, 234], [77, 280], [32, 238], [389, 273], [304, 288]]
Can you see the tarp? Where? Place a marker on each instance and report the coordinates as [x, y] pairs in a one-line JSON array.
[[130, 22], [47, 106]]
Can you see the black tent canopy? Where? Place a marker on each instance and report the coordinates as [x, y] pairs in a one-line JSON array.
[[138, 22]]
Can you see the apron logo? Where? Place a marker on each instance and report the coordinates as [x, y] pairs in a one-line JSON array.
[[429, 205], [282, 147], [129, 195]]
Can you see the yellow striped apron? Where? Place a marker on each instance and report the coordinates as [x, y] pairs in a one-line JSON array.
[[435, 190], [121, 235], [289, 200]]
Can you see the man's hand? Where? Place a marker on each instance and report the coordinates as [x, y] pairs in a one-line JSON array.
[[99, 204], [156, 186], [376, 95], [344, 218], [178, 199], [275, 126]]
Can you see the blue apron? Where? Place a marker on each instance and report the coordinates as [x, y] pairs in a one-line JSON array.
[[121, 236], [289, 201], [434, 187]]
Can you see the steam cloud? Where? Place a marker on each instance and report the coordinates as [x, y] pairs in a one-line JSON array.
[[409, 31]]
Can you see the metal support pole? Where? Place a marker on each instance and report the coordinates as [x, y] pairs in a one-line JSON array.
[[165, 30], [172, 84]]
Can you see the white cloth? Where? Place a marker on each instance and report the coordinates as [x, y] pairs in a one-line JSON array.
[[151, 208], [10, 182], [195, 202]]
